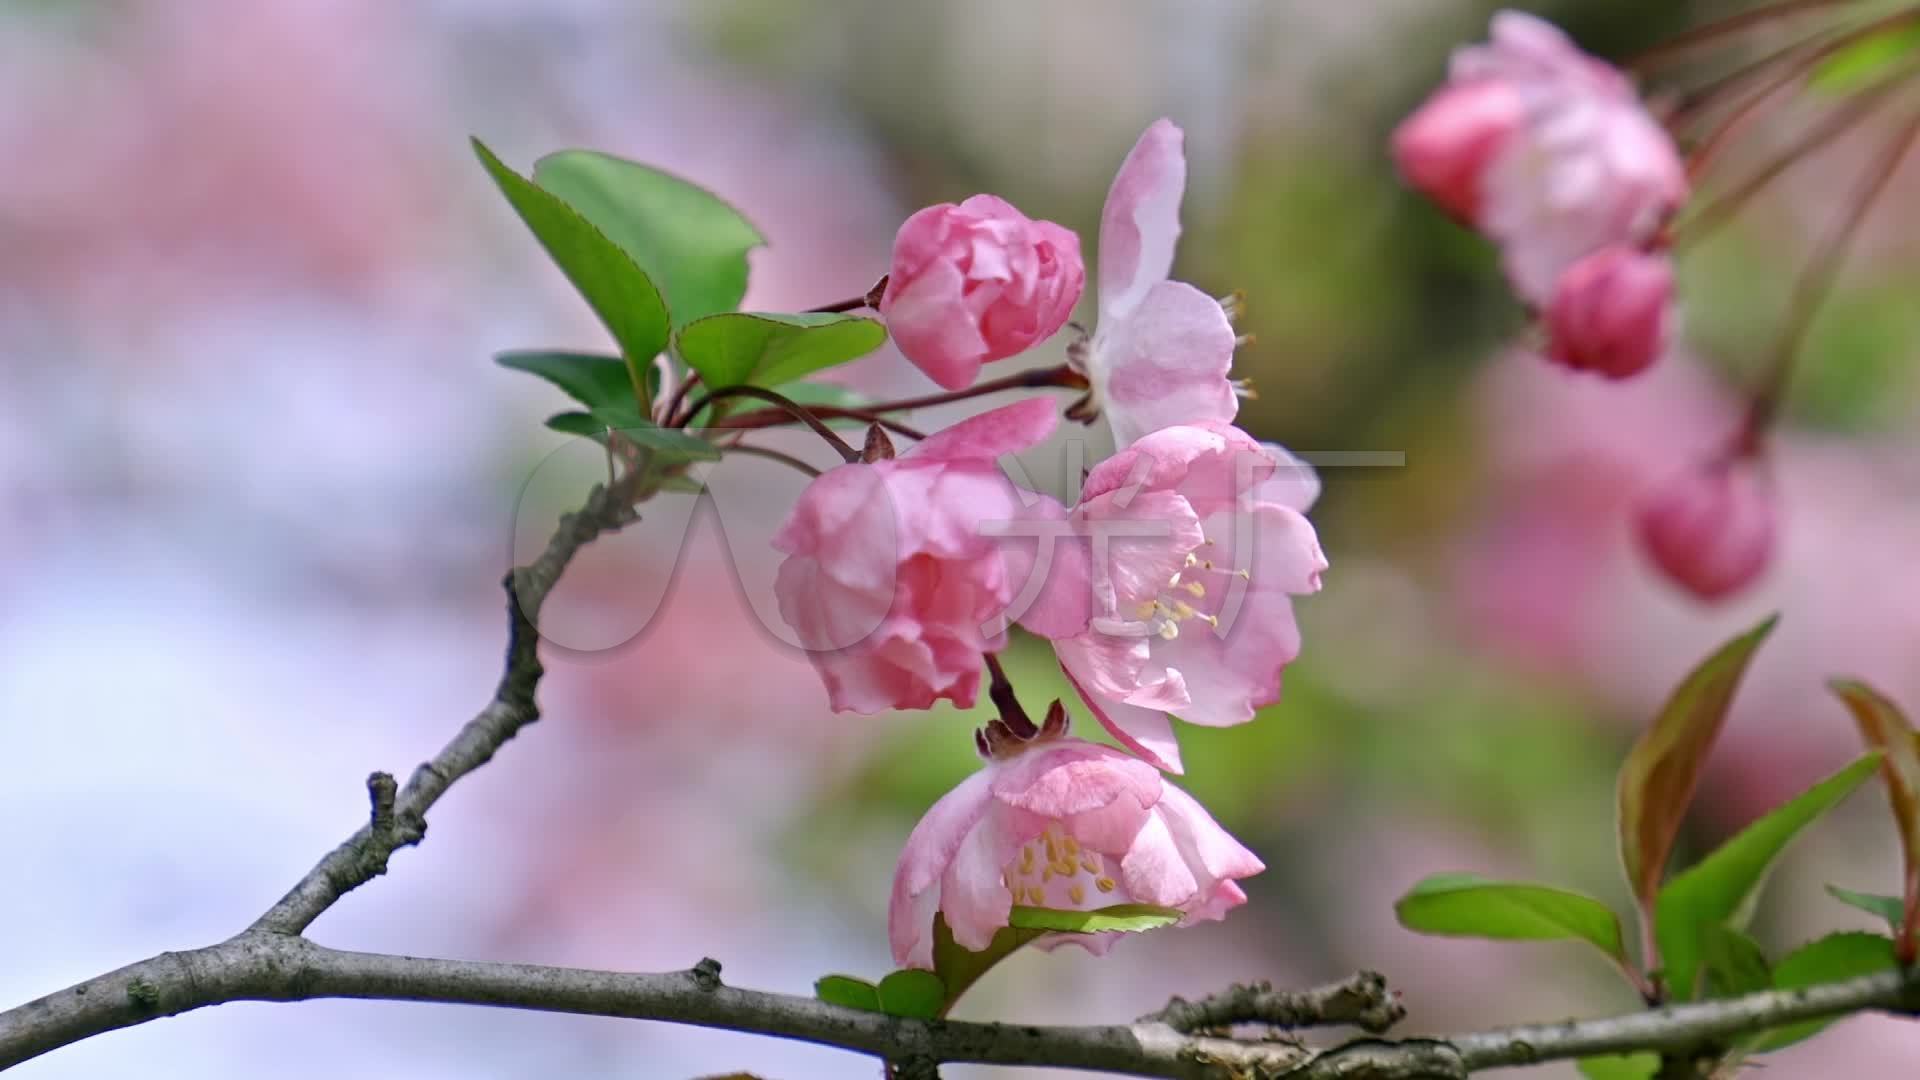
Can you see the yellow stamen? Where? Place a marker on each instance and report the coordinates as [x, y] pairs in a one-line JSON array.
[[1077, 893], [1195, 588], [1104, 884]]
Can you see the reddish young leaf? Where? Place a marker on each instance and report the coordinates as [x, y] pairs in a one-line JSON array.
[[1660, 773], [1886, 728]]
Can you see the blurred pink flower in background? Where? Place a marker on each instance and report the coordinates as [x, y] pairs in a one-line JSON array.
[[1711, 528], [978, 282], [1584, 167], [1611, 312], [1039, 828], [1161, 349]]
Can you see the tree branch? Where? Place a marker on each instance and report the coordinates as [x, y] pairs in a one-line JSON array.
[[1362, 1001], [401, 820], [265, 966]]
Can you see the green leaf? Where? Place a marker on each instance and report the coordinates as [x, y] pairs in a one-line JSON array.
[[1620, 1067], [1125, 918], [1472, 906], [1865, 61], [1733, 962], [1889, 908], [768, 349], [959, 968], [1885, 728], [915, 993], [681, 234], [848, 991], [613, 285], [669, 445], [1721, 887], [590, 379], [821, 393], [1829, 959], [1657, 779]]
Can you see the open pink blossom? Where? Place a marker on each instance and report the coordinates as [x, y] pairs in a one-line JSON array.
[[899, 574], [1161, 349], [1199, 540], [1062, 823], [1711, 530], [975, 283], [1585, 167], [1611, 312]]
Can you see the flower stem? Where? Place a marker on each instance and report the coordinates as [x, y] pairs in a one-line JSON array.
[[1004, 699], [792, 408], [773, 455], [1816, 282], [854, 303], [1706, 34]]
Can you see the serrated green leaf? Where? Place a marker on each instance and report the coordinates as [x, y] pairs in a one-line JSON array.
[[1889, 908], [770, 349], [590, 379], [912, 992], [1720, 888], [1122, 918], [1829, 959], [1885, 727], [848, 991], [1658, 777], [613, 284], [686, 238], [1620, 1067], [959, 968], [1467, 905], [1866, 61], [669, 445], [1733, 962]]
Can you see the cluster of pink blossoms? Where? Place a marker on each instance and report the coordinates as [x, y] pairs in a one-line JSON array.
[[1166, 589], [1550, 154]]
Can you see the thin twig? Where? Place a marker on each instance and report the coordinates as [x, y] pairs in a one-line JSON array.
[[773, 455], [807, 416], [1706, 34], [1816, 281]]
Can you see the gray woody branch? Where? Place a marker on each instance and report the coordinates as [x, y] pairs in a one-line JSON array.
[[271, 961]]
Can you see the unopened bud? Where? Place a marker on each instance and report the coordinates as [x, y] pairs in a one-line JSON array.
[[1711, 530], [1610, 312]]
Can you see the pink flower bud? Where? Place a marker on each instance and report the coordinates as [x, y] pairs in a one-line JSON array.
[[1610, 312], [1711, 530], [975, 283], [1445, 146]]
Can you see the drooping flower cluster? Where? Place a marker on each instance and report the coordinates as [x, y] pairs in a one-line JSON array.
[[1550, 153], [1166, 589]]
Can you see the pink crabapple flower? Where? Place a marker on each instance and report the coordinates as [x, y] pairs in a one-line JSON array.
[[1710, 530], [1547, 150], [1611, 312], [1199, 539], [1060, 823], [978, 282], [1161, 349], [900, 574]]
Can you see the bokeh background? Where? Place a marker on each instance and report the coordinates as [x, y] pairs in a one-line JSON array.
[[259, 479]]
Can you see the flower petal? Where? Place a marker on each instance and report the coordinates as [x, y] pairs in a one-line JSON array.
[[1074, 777], [973, 893], [1146, 732], [992, 434], [1164, 362], [1140, 223], [929, 849]]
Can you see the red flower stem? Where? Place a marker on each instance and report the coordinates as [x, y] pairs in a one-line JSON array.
[[1701, 223], [1001, 691], [1816, 282], [792, 408], [1039, 378], [1706, 34], [1749, 110], [855, 303], [773, 455]]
